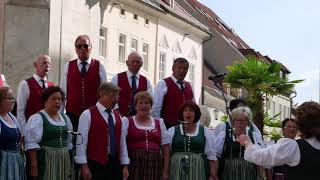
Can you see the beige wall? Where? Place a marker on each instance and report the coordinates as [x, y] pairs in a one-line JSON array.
[[26, 36], [1, 34]]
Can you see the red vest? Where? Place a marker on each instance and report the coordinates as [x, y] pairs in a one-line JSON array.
[[125, 94], [34, 103], [99, 135], [82, 90], [144, 139], [173, 100]]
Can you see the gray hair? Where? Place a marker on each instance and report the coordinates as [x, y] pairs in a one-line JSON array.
[[241, 113], [107, 87]]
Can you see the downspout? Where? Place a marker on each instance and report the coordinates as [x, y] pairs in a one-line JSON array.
[[202, 88], [60, 46], [156, 54]]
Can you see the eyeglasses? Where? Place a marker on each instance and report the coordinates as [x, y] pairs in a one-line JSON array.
[[11, 98], [79, 46]]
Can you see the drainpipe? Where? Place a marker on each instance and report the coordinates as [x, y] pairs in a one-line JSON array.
[[202, 88]]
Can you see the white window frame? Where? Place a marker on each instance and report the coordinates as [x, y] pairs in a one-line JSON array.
[[191, 70], [122, 47], [103, 42], [145, 55], [134, 49], [162, 65]]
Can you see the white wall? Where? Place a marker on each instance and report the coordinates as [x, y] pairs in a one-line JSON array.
[[274, 107], [174, 34], [116, 24]]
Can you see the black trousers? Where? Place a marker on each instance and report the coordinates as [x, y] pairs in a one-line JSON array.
[[111, 170]]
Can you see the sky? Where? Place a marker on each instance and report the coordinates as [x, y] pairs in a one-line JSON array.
[[285, 30]]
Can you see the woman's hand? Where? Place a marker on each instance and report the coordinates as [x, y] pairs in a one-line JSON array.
[[125, 172], [85, 172], [244, 140]]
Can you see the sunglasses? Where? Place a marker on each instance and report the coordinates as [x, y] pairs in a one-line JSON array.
[[79, 46]]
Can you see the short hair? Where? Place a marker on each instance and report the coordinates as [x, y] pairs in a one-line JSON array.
[[4, 92], [47, 92], [41, 56], [143, 95], [82, 36], [180, 60], [307, 118], [234, 103], [286, 120], [107, 87], [240, 113], [191, 105]]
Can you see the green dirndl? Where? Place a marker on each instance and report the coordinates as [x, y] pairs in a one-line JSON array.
[[192, 164], [54, 160], [232, 166]]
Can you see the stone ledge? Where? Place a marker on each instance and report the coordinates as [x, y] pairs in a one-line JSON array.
[[30, 3]]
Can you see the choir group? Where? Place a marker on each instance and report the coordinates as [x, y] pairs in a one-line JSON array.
[[88, 128]]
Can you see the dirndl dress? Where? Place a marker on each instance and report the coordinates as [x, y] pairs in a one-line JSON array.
[[12, 163], [232, 165], [54, 161], [190, 163]]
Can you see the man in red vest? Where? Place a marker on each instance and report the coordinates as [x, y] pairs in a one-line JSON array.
[[171, 92], [130, 83], [81, 79], [98, 151], [29, 91]]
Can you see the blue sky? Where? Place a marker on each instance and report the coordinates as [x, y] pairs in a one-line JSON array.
[[285, 30]]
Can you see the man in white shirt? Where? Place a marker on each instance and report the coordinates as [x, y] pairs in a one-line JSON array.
[[171, 92], [29, 91], [131, 82], [81, 79], [99, 146]]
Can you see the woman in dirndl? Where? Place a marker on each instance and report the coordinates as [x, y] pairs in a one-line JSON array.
[[11, 160], [142, 139], [47, 140], [232, 165], [192, 155]]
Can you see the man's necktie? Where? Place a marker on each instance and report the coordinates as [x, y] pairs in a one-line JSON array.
[[83, 68], [112, 134], [43, 83], [132, 110], [181, 85]]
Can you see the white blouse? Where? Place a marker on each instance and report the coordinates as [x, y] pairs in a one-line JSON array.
[[208, 150], [124, 158], [14, 121], [285, 151], [34, 130], [220, 135]]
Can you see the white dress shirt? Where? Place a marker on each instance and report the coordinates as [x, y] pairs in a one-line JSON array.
[[285, 151], [129, 75], [84, 128], [219, 134], [3, 78], [124, 158], [160, 91], [63, 84], [22, 99], [34, 130], [208, 150]]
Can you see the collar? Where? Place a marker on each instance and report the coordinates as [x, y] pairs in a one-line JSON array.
[[129, 74], [175, 80], [88, 61], [38, 78]]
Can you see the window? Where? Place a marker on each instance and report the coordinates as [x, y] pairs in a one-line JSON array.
[[135, 17], [162, 67], [146, 21], [122, 48], [191, 74], [103, 42], [122, 12], [145, 54], [273, 108], [134, 45], [280, 111]]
